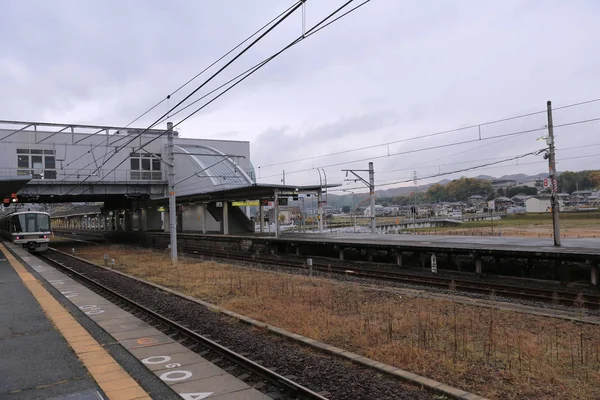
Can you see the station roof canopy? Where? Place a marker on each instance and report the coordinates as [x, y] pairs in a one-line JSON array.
[[256, 192]]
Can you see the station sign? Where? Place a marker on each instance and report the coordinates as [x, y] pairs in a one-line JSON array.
[[251, 203]]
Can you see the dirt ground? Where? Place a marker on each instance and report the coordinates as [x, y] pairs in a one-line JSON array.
[[497, 354]]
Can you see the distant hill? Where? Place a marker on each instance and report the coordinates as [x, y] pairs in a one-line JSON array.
[[338, 201]]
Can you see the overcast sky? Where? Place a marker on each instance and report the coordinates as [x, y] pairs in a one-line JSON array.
[[392, 70]]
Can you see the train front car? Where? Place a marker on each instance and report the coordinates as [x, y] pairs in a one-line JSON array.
[[30, 229]]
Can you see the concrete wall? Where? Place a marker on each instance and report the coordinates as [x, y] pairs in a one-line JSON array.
[[192, 219], [534, 205]]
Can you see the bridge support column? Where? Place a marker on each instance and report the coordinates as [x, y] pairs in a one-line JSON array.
[[298, 252], [370, 255], [203, 217], [593, 272], [478, 264], [152, 219], [142, 220], [225, 218], [165, 221], [398, 258], [128, 222], [341, 254]]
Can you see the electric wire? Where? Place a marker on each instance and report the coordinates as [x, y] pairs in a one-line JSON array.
[[254, 70], [290, 11], [437, 147], [181, 87], [430, 134]]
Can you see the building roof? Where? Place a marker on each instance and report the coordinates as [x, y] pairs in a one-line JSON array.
[[256, 192]]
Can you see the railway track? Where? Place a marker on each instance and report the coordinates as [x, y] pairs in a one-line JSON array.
[[251, 372], [528, 293]]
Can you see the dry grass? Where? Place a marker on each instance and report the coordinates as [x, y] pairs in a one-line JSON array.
[[498, 354]]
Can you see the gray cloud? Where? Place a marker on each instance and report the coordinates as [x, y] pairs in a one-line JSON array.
[[390, 71]]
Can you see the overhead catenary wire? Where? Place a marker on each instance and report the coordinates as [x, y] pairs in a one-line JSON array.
[[178, 89], [308, 34], [435, 147], [237, 56], [429, 134], [429, 166], [484, 167], [456, 171]]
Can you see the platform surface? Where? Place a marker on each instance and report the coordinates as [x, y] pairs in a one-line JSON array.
[[502, 243], [35, 360], [187, 374]]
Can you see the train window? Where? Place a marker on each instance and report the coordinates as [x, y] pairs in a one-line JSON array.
[[31, 223], [19, 223], [43, 222]]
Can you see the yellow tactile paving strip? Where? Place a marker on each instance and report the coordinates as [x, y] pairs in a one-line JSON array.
[[116, 383]]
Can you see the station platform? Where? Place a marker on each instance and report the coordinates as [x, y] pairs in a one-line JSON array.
[[60, 340]]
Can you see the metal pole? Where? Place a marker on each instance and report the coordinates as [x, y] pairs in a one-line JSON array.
[[552, 165], [372, 197], [172, 204], [303, 215], [320, 210]]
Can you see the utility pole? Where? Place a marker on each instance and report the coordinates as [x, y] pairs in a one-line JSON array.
[[372, 198], [371, 185], [552, 170], [415, 178], [172, 204]]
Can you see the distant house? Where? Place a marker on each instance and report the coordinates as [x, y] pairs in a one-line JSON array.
[[503, 183], [519, 200], [502, 203], [540, 204], [378, 210], [583, 193], [535, 182], [476, 200]]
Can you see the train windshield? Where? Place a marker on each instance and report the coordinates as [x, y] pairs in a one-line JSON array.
[[30, 223]]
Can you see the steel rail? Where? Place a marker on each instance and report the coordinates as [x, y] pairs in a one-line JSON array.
[[290, 387]]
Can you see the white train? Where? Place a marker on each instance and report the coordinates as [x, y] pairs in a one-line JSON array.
[[30, 229]]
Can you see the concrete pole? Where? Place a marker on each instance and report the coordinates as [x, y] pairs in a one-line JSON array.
[[203, 216], [552, 165], [372, 198], [172, 203], [225, 218]]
